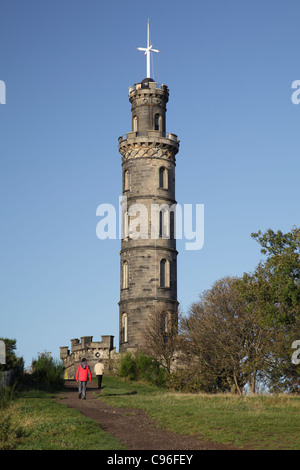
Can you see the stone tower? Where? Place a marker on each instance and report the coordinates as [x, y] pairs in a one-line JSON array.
[[148, 248]]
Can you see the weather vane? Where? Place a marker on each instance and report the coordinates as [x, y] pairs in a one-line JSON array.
[[148, 51]]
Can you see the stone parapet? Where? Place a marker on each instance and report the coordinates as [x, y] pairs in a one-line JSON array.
[[89, 349]]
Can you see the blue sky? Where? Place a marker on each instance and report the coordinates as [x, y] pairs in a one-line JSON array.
[[67, 66]]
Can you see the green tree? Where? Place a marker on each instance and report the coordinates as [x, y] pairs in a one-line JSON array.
[[274, 287], [12, 361], [47, 370], [273, 292]]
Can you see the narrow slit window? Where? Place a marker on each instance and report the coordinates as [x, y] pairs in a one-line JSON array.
[[125, 226], [126, 180], [125, 275], [163, 177], [164, 323], [134, 124], [124, 330], [164, 223], [165, 273]]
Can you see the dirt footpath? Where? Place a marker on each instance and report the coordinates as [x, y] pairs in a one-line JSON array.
[[131, 427]]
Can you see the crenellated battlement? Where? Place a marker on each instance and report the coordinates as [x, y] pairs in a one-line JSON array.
[[91, 350]]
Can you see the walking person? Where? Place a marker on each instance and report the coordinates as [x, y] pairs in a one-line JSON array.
[[99, 369], [83, 374]]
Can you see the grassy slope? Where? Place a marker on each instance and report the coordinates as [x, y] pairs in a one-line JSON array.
[[258, 422], [262, 422], [45, 424]]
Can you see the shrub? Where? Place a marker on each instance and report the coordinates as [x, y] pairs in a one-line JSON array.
[[128, 367], [146, 367], [12, 361], [47, 371], [142, 367], [150, 370], [183, 380]]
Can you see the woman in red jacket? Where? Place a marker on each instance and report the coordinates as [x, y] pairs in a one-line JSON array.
[[82, 375]]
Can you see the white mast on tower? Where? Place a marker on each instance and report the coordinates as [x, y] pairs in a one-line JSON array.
[[148, 50]]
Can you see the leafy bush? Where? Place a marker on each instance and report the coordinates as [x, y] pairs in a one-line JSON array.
[[142, 367], [184, 380], [150, 369], [12, 361], [47, 371], [128, 367]]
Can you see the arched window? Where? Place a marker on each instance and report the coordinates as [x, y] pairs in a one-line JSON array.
[[126, 180], [163, 177], [125, 283], [172, 225], [164, 323], [125, 226], [156, 122], [165, 273], [134, 124], [164, 225], [124, 328]]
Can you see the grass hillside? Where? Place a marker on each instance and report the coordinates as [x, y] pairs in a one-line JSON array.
[[35, 420], [253, 422]]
